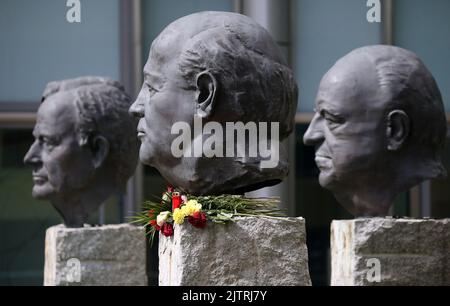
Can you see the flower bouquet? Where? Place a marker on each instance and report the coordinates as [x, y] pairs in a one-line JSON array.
[[174, 207]]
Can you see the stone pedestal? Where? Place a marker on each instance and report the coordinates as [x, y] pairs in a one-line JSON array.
[[251, 251], [109, 255], [386, 251]]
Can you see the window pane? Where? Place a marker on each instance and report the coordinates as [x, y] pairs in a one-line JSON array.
[[38, 45], [157, 14], [424, 28], [322, 32]]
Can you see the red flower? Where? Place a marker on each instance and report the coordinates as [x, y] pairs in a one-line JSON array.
[[167, 229], [170, 188], [154, 224], [198, 219], [151, 213]]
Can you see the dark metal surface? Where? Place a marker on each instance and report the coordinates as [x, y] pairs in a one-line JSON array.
[[222, 67], [85, 147], [379, 128]]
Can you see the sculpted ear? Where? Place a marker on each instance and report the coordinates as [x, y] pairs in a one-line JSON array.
[[206, 93], [100, 150], [398, 129]]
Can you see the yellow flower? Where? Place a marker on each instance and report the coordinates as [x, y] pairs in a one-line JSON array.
[[191, 207], [178, 216], [184, 210]]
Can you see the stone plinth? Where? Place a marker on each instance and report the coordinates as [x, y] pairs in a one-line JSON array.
[[251, 251], [109, 255], [403, 251]]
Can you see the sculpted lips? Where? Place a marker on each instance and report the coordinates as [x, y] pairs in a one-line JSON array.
[[140, 129], [323, 161], [39, 179]]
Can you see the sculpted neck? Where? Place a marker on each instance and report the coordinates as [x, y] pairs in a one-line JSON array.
[[367, 203], [207, 176], [375, 197], [76, 207]]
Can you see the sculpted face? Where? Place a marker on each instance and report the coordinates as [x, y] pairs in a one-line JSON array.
[[162, 101], [378, 129], [347, 129], [208, 65], [60, 165]]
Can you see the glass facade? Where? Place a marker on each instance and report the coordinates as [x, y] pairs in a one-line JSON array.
[[38, 45], [157, 14], [424, 28], [322, 32]]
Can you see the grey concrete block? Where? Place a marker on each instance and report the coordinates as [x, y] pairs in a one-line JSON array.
[[409, 251], [109, 255], [251, 251]]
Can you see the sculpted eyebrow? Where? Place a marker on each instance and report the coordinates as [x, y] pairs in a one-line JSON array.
[[335, 117], [154, 81], [326, 110], [50, 136]]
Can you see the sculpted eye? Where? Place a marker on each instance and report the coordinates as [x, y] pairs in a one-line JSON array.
[[151, 89], [332, 120], [44, 140]]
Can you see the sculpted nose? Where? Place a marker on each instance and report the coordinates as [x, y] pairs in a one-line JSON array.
[[137, 108], [314, 134], [33, 156]]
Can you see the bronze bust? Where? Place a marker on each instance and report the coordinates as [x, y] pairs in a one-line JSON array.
[[379, 128], [221, 68], [85, 146]]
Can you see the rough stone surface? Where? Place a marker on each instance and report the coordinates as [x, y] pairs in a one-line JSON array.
[[410, 251], [248, 252], [109, 255]]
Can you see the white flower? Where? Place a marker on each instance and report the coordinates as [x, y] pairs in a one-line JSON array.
[[165, 197], [162, 217]]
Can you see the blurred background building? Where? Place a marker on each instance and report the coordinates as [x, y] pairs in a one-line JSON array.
[[38, 45]]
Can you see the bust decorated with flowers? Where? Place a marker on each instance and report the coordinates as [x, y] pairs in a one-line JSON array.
[[218, 99], [225, 240], [174, 207], [211, 79]]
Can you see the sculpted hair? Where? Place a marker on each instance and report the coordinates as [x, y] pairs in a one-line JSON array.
[[102, 106], [242, 56], [413, 90]]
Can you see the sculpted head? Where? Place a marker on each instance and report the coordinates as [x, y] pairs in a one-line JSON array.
[[216, 67], [85, 146], [378, 129]]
